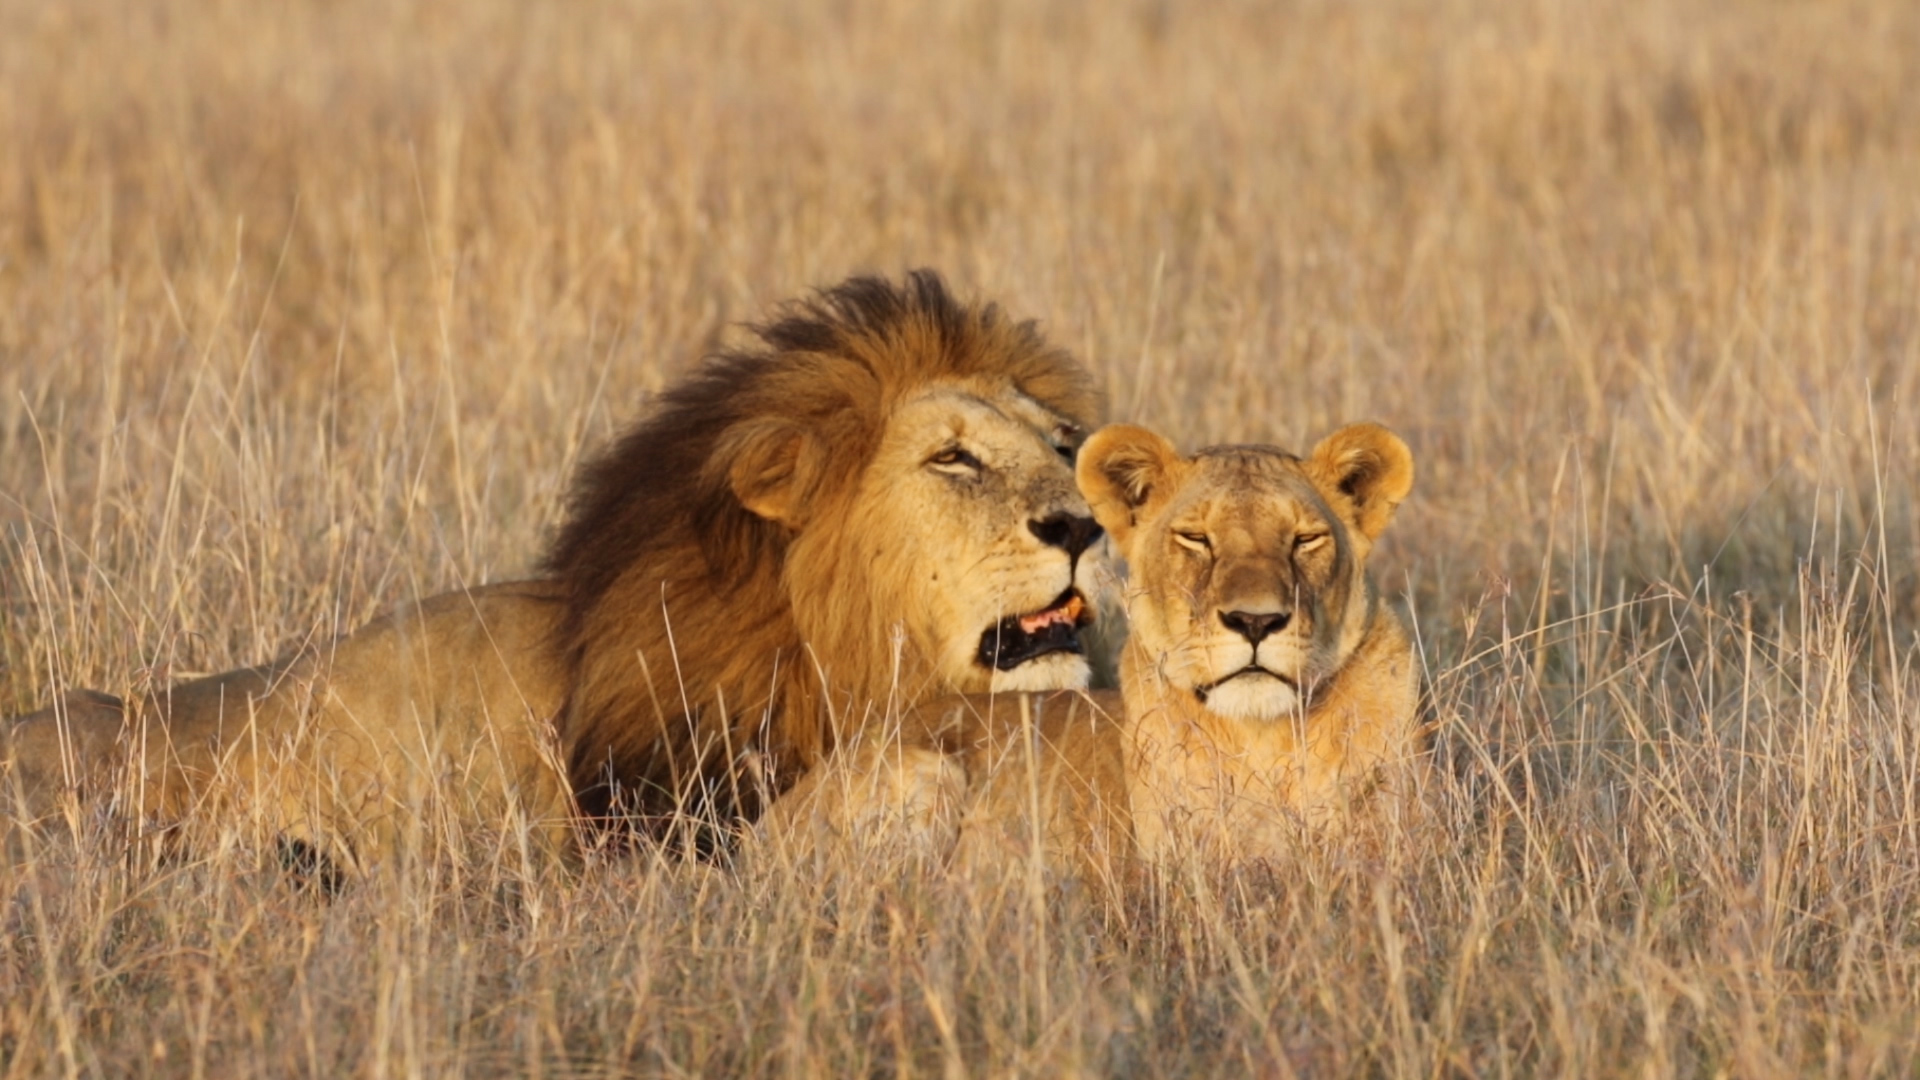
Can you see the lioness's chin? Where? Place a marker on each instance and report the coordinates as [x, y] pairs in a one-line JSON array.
[[1253, 698], [1054, 671]]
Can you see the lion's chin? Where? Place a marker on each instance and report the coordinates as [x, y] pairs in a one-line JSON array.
[[1252, 697], [1054, 671]]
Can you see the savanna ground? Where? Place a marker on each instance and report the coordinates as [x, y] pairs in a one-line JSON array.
[[307, 309]]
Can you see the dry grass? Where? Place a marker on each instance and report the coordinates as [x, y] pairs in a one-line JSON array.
[[309, 308]]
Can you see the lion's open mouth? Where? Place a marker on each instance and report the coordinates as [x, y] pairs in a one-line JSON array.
[[1017, 639]]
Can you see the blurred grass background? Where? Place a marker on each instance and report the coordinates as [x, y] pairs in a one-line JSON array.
[[309, 308]]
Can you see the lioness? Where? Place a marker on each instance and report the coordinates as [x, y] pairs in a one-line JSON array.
[[873, 504], [1264, 685]]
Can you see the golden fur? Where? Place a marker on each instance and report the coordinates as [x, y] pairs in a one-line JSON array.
[[862, 509], [431, 721], [1263, 686]]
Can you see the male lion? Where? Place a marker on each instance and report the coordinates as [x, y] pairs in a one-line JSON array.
[[1264, 686], [874, 505]]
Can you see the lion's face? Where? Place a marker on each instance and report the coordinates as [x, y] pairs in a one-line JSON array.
[[1247, 564], [970, 534]]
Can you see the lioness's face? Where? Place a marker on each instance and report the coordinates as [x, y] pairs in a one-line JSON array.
[[970, 508], [1247, 564]]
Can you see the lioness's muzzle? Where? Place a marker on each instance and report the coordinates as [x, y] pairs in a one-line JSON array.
[[1201, 692]]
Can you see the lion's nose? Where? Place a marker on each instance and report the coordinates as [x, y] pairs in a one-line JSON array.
[[1255, 625], [1069, 532]]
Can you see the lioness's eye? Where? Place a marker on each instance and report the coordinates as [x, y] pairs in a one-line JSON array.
[[1308, 541], [953, 458], [1196, 540]]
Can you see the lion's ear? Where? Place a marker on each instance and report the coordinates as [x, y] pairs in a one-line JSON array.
[[771, 469], [1368, 468], [1123, 471]]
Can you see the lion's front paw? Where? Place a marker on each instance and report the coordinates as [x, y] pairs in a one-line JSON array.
[[876, 800]]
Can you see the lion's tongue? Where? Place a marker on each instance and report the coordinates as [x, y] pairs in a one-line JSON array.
[[1067, 613]]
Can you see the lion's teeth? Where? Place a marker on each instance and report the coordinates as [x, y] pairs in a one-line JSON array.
[[1067, 613]]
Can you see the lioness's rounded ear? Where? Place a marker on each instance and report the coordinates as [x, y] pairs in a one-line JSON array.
[[1122, 470], [1368, 468], [771, 470]]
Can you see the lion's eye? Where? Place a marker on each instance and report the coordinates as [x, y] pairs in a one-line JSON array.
[[1308, 541], [954, 459], [1196, 541], [1068, 451]]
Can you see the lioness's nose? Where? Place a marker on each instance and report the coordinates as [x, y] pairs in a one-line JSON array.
[[1070, 532], [1255, 625]]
